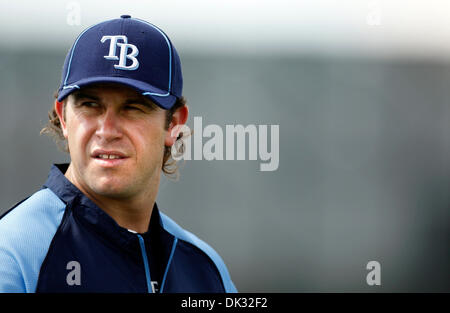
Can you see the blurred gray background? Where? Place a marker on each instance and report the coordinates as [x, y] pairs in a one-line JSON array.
[[363, 106]]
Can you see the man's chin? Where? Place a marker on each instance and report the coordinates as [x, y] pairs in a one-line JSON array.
[[112, 193], [110, 189]]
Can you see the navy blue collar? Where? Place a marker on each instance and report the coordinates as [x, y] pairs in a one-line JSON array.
[[90, 213]]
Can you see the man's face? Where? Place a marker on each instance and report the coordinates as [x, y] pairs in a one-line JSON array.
[[116, 139]]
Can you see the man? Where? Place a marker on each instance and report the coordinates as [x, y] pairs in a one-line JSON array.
[[95, 226]]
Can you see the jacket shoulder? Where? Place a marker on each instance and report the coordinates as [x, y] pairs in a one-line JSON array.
[[173, 228], [26, 232]]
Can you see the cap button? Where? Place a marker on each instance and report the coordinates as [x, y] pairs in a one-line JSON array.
[[125, 16]]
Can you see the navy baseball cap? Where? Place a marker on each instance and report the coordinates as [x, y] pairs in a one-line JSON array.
[[128, 51]]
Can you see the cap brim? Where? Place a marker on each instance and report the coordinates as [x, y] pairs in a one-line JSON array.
[[160, 97]]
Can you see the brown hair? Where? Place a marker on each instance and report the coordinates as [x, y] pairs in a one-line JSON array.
[[169, 165]]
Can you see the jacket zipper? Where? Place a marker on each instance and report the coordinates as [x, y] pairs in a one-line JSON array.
[[147, 269], [174, 245]]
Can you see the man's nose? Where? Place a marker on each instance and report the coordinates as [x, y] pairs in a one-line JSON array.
[[109, 127]]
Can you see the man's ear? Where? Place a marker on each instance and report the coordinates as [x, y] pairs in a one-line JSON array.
[[59, 108], [179, 118]]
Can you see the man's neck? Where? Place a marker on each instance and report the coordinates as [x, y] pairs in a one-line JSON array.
[[133, 216], [131, 213]]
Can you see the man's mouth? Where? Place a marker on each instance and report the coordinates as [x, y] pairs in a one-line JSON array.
[[107, 154], [108, 158]]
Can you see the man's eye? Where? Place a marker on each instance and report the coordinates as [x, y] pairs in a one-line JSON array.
[[133, 108], [90, 104]]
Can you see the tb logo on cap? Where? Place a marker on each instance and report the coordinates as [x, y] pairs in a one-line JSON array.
[[124, 55]]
